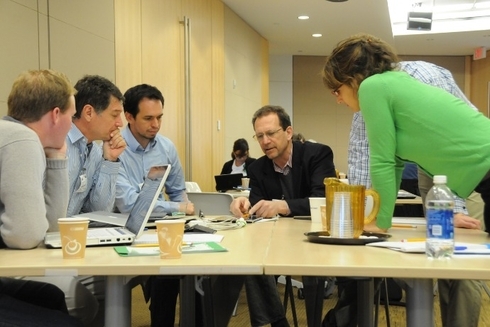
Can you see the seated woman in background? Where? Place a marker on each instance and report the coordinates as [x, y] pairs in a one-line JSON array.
[[240, 159]]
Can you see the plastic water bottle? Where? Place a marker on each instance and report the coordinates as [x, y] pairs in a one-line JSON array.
[[439, 205]]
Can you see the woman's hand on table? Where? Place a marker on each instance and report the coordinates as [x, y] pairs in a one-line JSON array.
[[463, 221]]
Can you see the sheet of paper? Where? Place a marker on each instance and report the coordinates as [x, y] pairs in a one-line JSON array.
[[188, 237], [419, 247]]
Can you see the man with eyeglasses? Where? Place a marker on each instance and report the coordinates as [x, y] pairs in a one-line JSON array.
[[281, 182]]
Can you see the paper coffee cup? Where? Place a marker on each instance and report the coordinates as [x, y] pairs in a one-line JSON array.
[[315, 212], [245, 182], [73, 233], [170, 234]]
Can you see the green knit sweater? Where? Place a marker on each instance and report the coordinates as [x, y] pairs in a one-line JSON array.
[[407, 120]]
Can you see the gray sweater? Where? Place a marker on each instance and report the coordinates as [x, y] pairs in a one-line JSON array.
[[33, 189]]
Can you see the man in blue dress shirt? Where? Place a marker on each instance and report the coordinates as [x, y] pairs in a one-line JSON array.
[[146, 148]]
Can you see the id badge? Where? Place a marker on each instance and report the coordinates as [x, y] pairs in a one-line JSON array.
[[83, 184]]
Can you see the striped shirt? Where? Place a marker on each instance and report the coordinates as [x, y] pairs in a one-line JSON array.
[[92, 179], [137, 161]]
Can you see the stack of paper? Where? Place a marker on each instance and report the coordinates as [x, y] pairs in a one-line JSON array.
[[419, 247]]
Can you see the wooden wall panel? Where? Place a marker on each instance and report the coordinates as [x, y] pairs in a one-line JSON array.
[[127, 37]]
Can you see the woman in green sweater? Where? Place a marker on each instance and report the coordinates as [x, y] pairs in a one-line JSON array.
[[407, 120]]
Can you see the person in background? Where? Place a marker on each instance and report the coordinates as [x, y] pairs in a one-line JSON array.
[[281, 182], [407, 120], [143, 109], [240, 159], [32, 148], [298, 137]]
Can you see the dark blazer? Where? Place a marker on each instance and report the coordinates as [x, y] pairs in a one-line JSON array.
[[312, 162], [227, 166]]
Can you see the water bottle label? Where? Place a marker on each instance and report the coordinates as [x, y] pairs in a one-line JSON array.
[[440, 224]]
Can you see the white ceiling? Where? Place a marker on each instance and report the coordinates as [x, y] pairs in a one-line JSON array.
[[276, 20]]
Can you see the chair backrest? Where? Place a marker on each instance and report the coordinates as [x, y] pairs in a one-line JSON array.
[[192, 187], [210, 203]]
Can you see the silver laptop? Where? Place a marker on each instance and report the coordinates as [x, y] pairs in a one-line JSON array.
[[211, 204], [134, 223]]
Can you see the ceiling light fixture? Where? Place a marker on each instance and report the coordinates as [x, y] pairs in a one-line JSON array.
[[337, 0], [303, 17], [316, 35]]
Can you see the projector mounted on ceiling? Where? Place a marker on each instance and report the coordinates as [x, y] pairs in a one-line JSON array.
[[421, 21]]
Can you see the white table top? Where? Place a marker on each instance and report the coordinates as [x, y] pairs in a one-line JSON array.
[[246, 250], [291, 254]]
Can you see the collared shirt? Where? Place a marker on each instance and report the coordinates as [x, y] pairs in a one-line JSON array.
[[136, 162], [92, 179], [358, 153], [287, 167]]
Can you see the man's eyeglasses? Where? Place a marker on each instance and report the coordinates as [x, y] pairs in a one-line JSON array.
[[260, 137], [336, 92]]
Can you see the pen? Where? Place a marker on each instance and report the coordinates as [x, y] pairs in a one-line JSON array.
[[403, 226], [460, 248], [145, 245], [413, 240]]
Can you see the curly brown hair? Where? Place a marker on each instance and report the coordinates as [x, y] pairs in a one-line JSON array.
[[355, 59]]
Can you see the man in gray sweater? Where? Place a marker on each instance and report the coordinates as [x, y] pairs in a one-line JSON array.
[[34, 188]]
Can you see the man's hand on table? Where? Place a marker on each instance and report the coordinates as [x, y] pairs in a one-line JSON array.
[[463, 221]]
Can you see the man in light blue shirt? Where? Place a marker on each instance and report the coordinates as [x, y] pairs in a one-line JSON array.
[[93, 171], [143, 109], [146, 148], [93, 167]]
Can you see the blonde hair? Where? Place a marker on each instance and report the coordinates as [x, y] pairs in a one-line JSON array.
[[355, 59], [36, 92]]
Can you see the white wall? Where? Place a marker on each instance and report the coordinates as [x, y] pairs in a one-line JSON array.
[[281, 82], [243, 83]]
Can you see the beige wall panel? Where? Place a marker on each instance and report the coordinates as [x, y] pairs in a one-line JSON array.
[[31, 4], [20, 47], [218, 95], [316, 114], [265, 71], [202, 122], [127, 22], [480, 77], [244, 75], [93, 16], [77, 52], [162, 63], [43, 29]]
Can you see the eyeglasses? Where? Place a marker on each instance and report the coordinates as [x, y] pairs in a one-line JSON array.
[[270, 134], [336, 92]]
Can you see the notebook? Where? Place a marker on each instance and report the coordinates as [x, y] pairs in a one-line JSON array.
[[227, 182], [134, 223]]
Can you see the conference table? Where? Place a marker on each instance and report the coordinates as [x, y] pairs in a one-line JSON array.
[[246, 251], [273, 248], [290, 253]]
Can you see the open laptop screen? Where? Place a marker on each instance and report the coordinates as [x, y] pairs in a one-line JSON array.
[[227, 182], [150, 191]]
